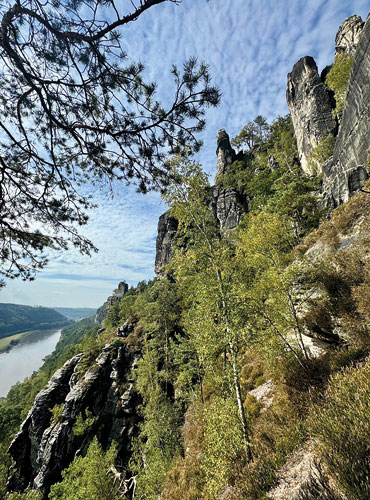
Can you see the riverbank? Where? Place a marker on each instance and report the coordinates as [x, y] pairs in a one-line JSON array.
[[28, 337], [26, 357]]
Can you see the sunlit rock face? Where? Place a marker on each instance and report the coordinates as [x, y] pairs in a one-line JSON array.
[[348, 35], [311, 107], [105, 392], [347, 171]]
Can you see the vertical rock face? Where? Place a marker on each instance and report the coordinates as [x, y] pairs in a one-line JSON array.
[[167, 227], [43, 447], [225, 154], [311, 108], [348, 35], [346, 171], [228, 206]]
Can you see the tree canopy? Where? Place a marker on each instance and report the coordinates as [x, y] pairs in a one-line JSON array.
[[74, 107]]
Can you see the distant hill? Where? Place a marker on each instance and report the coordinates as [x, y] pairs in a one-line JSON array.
[[76, 313], [15, 318]]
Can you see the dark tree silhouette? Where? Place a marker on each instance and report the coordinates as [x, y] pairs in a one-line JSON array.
[[74, 108]]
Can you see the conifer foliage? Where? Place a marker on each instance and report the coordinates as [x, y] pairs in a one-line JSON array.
[[74, 107]]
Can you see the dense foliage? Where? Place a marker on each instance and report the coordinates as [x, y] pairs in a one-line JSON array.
[[238, 312], [15, 318], [337, 79]]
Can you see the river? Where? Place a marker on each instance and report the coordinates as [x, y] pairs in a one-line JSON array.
[[24, 359]]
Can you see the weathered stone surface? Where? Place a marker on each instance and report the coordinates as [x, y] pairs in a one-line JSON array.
[[228, 206], [43, 448], [225, 154], [346, 172], [167, 227], [24, 447], [348, 35], [311, 106], [125, 329], [117, 295], [264, 394]]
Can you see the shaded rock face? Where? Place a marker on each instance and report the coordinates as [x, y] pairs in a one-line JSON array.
[[228, 206], [225, 154], [311, 106], [42, 448], [348, 35], [167, 227], [346, 172]]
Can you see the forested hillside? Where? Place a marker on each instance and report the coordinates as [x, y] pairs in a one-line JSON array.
[[15, 318], [241, 372], [76, 313]]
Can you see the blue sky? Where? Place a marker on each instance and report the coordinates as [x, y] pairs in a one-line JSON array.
[[250, 46]]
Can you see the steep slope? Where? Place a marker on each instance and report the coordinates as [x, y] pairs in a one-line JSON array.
[[104, 394], [165, 364]]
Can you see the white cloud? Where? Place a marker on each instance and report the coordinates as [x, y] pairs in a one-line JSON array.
[[250, 46]]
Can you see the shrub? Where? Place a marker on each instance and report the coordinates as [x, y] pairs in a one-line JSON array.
[[342, 427], [88, 477], [83, 425], [223, 449], [323, 151], [337, 79], [56, 414]]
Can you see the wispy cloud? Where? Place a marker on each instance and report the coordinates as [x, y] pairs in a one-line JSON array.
[[250, 46]]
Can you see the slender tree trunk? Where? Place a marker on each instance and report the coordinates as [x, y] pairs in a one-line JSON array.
[[236, 376]]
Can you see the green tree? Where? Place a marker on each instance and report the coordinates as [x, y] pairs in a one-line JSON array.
[[278, 286], [203, 271], [223, 447], [251, 134], [89, 477]]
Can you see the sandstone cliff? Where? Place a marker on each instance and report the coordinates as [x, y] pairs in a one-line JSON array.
[[105, 394], [311, 108], [311, 105], [227, 204]]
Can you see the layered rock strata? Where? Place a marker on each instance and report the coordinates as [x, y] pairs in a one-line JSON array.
[[311, 106], [44, 447], [348, 35], [228, 205]]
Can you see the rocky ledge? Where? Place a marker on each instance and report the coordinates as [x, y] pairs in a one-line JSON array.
[[45, 445]]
